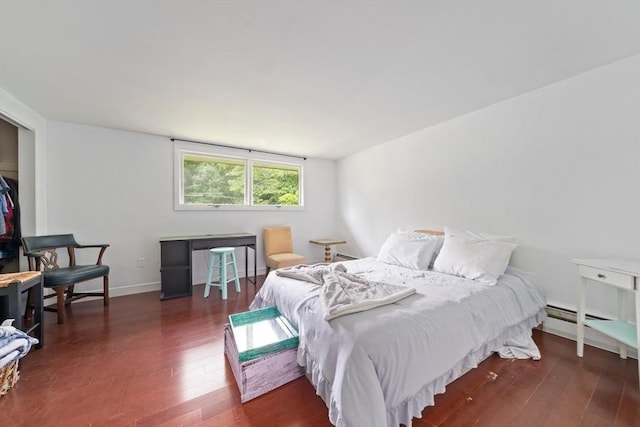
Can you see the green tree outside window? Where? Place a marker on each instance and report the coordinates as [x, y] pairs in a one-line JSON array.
[[275, 185], [209, 180]]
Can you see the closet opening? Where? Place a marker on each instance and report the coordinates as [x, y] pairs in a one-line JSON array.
[[10, 229]]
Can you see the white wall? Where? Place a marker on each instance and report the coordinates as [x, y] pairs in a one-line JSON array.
[[117, 187], [558, 167]]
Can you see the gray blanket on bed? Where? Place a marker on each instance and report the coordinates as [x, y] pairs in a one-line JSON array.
[[345, 293]]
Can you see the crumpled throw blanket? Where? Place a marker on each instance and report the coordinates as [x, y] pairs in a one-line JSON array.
[[344, 293], [520, 347], [14, 343]]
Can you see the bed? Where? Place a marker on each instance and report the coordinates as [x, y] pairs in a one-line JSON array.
[[383, 366]]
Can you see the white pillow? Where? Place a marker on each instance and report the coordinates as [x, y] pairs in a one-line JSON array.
[[472, 235], [439, 242], [409, 249], [483, 260]]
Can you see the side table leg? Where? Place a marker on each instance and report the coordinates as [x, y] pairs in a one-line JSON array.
[[580, 318], [622, 315], [327, 254], [38, 309], [637, 292], [14, 304]]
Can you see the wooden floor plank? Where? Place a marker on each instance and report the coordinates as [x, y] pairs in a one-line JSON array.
[[629, 408], [571, 407], [145, 362]]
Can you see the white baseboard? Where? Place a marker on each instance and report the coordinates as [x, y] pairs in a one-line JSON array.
[[593, 338], [113, 292], [139, 288], [134, 289]]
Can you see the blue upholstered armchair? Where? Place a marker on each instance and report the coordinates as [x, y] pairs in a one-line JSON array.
[[43, 256]]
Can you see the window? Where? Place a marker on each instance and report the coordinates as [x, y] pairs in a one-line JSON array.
[[213, 181], [276, 185], [206, 180]]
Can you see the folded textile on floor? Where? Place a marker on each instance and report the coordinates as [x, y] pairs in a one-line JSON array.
[[344, 293], [14, 343]]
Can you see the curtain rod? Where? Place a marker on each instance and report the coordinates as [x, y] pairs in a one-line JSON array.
[[251, 150]]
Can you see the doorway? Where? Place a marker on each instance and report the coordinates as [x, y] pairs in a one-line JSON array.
[[17, 167], [9, 247]]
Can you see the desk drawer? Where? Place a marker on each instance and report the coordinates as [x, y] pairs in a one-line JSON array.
[[615, 279]]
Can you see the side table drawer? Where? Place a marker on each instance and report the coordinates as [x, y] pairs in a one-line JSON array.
[[616, 279]]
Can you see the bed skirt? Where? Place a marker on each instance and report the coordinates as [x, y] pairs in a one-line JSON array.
[[413, 407]]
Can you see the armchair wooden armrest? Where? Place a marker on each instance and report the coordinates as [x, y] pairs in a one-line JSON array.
[[103, 247], [34, 254]]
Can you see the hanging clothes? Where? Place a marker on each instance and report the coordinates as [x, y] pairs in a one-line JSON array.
[[11, 235], [4, 190]]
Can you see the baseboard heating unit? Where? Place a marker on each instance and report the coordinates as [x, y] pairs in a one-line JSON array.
[[567, 315]]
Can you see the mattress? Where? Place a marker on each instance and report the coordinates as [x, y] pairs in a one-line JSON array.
[[382, 367]]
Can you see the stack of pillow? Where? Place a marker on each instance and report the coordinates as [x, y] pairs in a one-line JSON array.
[[477, 256], [411, 249]]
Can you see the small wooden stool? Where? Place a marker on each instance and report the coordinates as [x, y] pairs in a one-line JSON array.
[[218, 259]]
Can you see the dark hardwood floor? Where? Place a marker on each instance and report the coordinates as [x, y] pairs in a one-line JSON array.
[[146, 362]]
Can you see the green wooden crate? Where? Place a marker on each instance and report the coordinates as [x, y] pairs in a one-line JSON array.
[[261, 332]]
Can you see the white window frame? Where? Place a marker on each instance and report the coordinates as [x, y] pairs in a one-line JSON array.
[[263, 159]]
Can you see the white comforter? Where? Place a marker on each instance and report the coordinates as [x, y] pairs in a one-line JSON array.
[[383, 366]]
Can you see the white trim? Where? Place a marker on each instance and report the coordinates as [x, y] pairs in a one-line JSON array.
[[140, 288], [213, 208], [32, 156], [134, 289]]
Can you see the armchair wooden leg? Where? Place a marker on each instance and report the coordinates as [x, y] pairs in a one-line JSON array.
[[60, 290], [106, 290], [70, 290]]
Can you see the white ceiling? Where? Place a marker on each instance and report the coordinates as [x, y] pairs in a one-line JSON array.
[[315, 78]]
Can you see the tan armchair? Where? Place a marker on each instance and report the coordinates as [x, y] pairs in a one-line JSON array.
[[278, 248]]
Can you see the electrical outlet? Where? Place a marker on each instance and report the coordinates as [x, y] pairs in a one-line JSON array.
[[140, 262]]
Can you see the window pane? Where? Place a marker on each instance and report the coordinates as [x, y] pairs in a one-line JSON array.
[[213, 181], [276, 184]]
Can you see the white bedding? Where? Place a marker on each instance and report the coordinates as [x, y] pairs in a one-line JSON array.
[[383, 366], [345, 293]]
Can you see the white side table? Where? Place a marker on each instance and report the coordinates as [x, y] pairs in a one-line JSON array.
[[623, 274]]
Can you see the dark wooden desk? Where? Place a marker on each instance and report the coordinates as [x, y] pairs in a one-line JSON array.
[[176, 260], [12, 285]]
